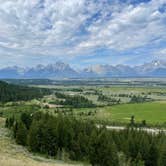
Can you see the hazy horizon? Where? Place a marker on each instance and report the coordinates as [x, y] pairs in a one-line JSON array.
[[82, 67]]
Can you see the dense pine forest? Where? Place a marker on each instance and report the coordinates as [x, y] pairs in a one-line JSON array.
[[82, 140], [74, 101], [10, 92]]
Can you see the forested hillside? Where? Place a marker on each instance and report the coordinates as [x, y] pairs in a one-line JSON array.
[[10, 92], [83, 141]]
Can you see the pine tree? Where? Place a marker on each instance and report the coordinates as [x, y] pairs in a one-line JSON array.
[[49, 138], [26, 119], [163, 156], [21, 134], [15, 128], [93, 156], [7, 122], [132, 121], [34, 137], [152, 159], [104, 151], [138, 161], [10, 121]]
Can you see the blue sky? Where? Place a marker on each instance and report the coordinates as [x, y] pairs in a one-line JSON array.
[[82, 32]]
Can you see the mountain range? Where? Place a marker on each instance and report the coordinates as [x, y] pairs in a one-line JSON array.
[[61, 70]]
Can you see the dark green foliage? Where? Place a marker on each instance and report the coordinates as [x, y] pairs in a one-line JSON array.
[[152, 159], [9, 122], [74, 101], [46, 106], [138, 161], [144, 123], [103, 151], [132, 121], [34, 136], [163, 156], [112, 101], [26, 119], [9, 92], [78, 102], [21, 134], [1, 114], [15, 128], [60, 95], [82, 140], [138, 99]]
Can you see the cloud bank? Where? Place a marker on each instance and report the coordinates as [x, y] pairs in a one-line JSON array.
[[72, 28]]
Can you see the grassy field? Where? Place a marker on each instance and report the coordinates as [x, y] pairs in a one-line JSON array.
[[153, 112], [12, 154]]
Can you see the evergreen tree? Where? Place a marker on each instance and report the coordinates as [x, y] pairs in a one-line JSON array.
[[132, 121], [49, 139], [93, 156], [10, 92], [163, 156], [26, 119], [104, 151], [138, 161], [7, 122], [11, 122], [34, 137], [21, 134], [152, 159], [82, 140], [15, 128]]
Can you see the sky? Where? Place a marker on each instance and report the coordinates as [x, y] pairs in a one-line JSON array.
[[82, 32]]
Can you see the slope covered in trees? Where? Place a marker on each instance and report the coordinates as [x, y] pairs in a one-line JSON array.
[[82, 140], [74, 101], [10, 92]]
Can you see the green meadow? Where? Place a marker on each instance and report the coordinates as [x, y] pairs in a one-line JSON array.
[[152, 112]]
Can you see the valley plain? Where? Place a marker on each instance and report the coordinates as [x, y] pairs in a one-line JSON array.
[[113, 103], [115, 100]]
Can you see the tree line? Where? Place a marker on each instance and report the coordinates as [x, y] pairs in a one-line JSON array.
[[82, 140], [139, 99], [112, 101], [11, 92], [75, 101]]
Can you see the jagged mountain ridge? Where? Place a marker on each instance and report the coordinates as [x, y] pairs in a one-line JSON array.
[[62, 70], [57, 70]]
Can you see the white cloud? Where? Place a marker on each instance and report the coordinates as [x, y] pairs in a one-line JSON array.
[[70, 27], [129, 28], [160, 53]]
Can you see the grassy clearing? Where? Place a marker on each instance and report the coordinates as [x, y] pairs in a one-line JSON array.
[[16, 110], [152, 112], [12, 154]]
